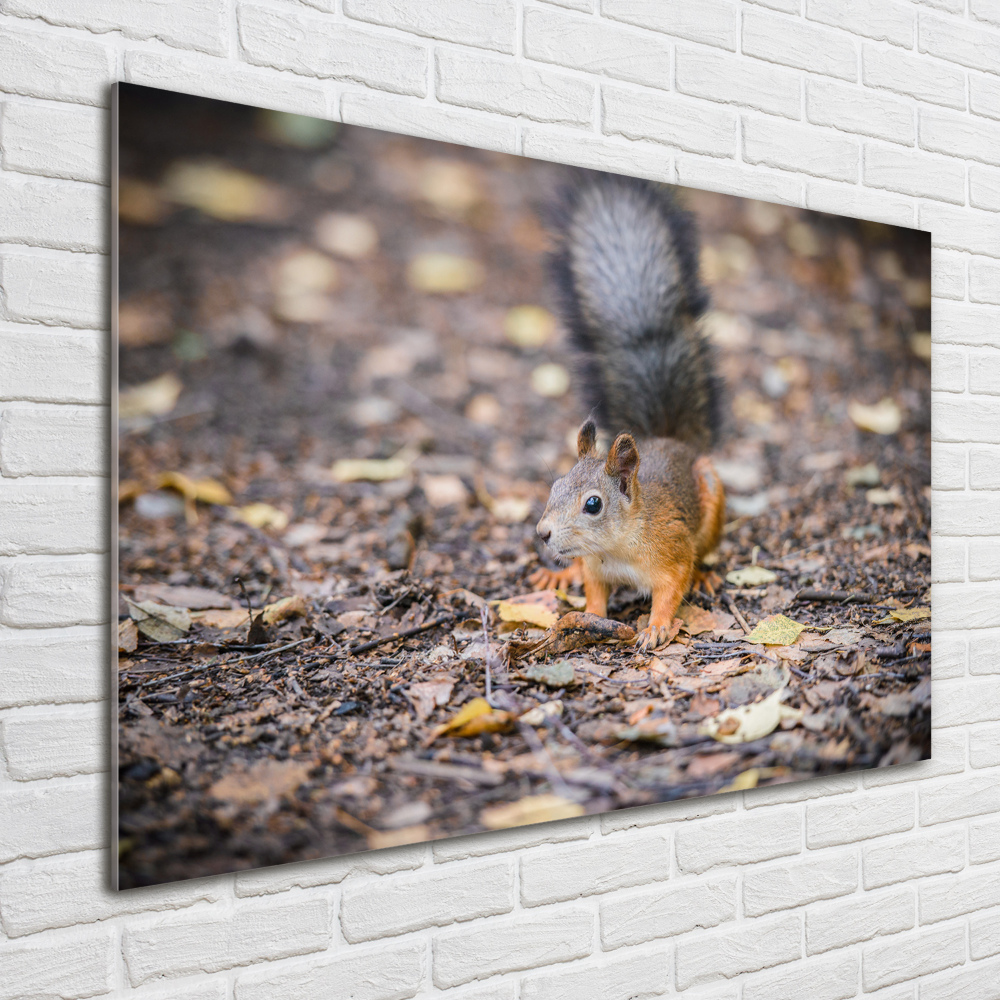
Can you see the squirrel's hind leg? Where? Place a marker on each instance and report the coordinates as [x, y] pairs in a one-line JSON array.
[[561, 579], [712, 501]]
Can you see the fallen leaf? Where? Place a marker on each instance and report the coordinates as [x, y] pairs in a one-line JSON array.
[[301, 282], [474, 718], [577, 603], [751, 576], [724, 668], [224, 193], [540, 714], [743, 780], [539, 608], [286, 608], [445, 490], [863, 475], [910, 614], [155, 398], [710, 764], [884, 498], [697, 620], [444, 273], [531, 809], [529, 326], [350, 236], [749, 722], [265, 780], [140, 203], [192, 598], [379, 839], [574, 630], [203, 490], [701, 704], [145, 319], [776, 630], [430, 694], [231, 618], [128, 637], [262, 515], [550, 380], [376, 470], [451, 186], [662, 732], [555, 675], [885, 417], [299, 131], [159, 622]]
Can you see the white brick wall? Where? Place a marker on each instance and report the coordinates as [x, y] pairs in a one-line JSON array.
[[883, 884]]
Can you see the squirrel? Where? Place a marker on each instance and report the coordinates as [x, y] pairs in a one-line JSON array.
[[646, 514]]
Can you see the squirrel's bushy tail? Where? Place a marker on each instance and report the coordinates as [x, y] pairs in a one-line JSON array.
[[626, 264]]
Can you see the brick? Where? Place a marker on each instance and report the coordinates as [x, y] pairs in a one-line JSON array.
[[800, 791], [551, 874], [948, 896], [984, 368], [75, 964], [799, 44], [949, 655], [634, 977], [844, 821], [854, 109], [57, 288], [57, 67], [859, 918], [965, 702], [504, 989], [508, 945], [585, 5], [736, 840], [72, 889], [974, 982], [948, 417], [512, 88], [487, 24], [712, 22], [596, 47], [960, 42], [984, 96], [43, 592], [901, 859], [876, 19], [517, 838], [984, 934], [61, 815], [959, 605], [731, 178], [984, 841], [397, 114], [966, 514], [958, 799], [328, 871], [45, 440], [54, 518], [800, 148], [667, 910], [677, 122], [914, 173], [50, 744], [52, 667], [189, 24], [584, 149], [907, 957], [985, 10], [984, 281], [858, 203], [984, 467], [913, 76], [756, 945], [820, 979], [679, 811], [965, 324], [961, 229], [383, 973], [63, 215], [226, 81], [947, 275], [984, 187], [788, 6], [984, 648], [959, 135], [209, 942], [780, 887], [948, 369], [948, 464], [429, 899], [322, 47], [54, 140], [62, 366], [948, 753], [733, 80], [984, 746]]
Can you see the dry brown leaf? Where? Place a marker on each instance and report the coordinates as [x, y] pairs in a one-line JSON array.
[[540, 714], [228, 618], [350, 236], [155, 398], [192, 598], [430, 694], [159, 622], [451, 186], [265, 780], [223, 192], [128, 637], [444, 273], [531, 809]]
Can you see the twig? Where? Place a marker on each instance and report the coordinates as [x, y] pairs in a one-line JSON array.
[[484, 615], [273, 652], [405, 634], [841, 596], [538, 748], [737, 615]]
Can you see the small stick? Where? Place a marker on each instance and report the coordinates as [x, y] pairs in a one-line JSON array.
[[280, 649], [405, 634], [484, 614], [736, 614], [843, 596]]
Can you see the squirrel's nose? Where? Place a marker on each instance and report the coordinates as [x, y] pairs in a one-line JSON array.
[[544, 531]]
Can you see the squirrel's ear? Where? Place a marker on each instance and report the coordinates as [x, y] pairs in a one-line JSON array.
[[586, 440], [623, 463]]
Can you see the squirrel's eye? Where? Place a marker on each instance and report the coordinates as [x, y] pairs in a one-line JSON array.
[[593, 505]]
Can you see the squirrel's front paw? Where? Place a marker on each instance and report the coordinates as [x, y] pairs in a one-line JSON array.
[[654, 636], [551, 579]]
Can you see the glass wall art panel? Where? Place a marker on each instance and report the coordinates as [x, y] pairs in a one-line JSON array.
[[459, 491]]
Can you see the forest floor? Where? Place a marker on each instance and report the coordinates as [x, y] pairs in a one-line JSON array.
[[288, 342]]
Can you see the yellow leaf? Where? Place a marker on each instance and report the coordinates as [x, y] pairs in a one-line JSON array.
[[205, 490], [540, 608], [262, 515], [529, 326], [350, 236], [749, 722], [155, 398], [224, 193], [287, 607], [474, 718], [444, 273], [376, 470], [550, 380], [751, 576], [885, 417], [883, 498], [572, 600], [531, 809], [451, 186], [776, 630], [743, 780], [910, 614]]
